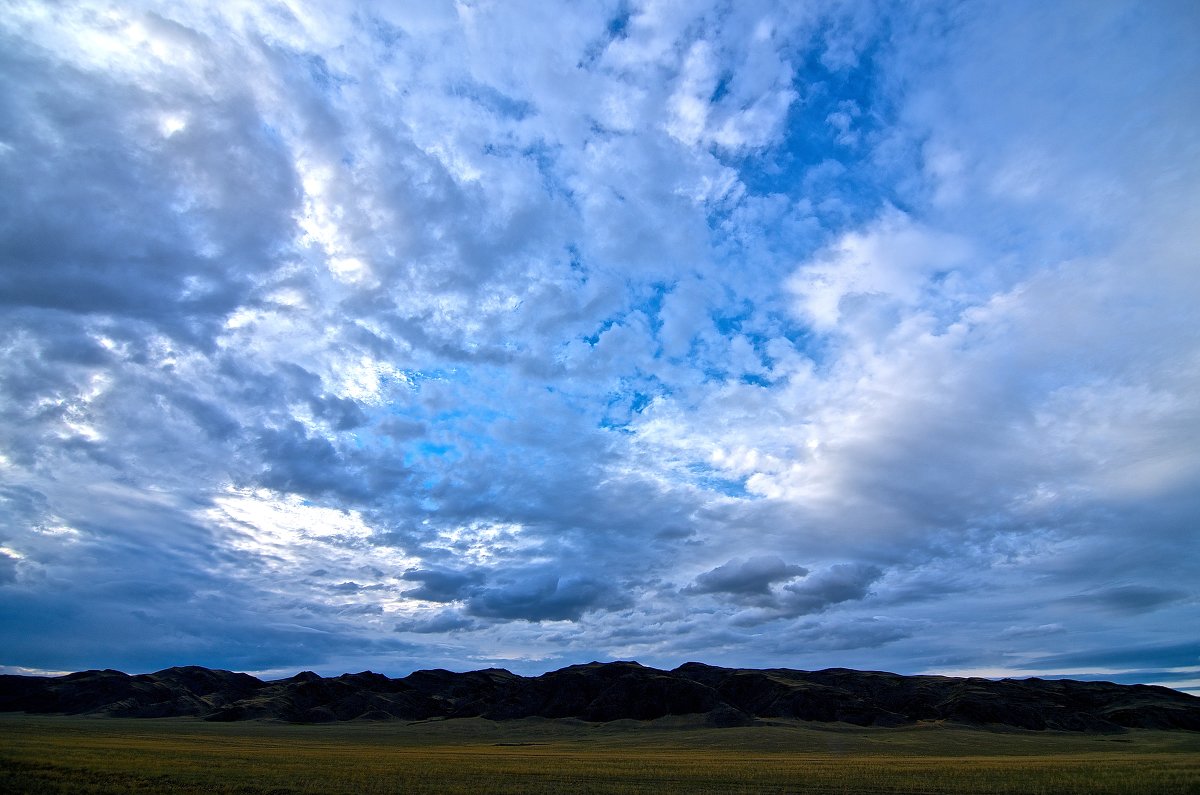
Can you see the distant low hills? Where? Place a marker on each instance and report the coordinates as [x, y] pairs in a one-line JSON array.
[[607, 692]]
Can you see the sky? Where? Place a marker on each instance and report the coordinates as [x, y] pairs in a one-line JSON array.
[[345, 336]]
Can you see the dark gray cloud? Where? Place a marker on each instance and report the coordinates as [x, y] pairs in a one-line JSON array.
[[442, 586], [859, 633], [843, 582], [1033, 632], [8, 567], [21, 506], [1131, 599], [752, 577], [301, 463], [448, 621], [545, 597], [1148, 657], [119, 244]]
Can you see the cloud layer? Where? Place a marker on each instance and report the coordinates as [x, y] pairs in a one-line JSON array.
[[345, 335]]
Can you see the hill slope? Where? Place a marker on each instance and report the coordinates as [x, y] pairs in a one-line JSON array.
[[610, 691]]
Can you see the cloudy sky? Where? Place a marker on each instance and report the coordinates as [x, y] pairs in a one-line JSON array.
[[344, 336]]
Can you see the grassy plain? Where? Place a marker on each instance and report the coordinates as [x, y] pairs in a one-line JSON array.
[[88, 755]]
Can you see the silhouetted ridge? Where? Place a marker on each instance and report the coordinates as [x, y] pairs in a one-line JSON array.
[[599, 691]]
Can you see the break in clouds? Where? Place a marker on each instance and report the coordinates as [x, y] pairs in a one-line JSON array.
[[350, 335]]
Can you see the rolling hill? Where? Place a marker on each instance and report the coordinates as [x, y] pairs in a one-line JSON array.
[[611, 691]]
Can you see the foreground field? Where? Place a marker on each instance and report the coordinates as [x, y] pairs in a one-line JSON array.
[[80, 755]]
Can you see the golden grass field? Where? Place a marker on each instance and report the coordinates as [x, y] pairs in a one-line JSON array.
[[675, 755]]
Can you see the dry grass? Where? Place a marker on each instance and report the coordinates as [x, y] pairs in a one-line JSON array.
[[78, 755]]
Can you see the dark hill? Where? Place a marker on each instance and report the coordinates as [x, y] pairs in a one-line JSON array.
[[611, 691]]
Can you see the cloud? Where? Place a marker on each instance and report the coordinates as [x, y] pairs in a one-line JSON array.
[[1156, 656], [1033, 632], [123, 249], [438, 624], [300, 463], [843, 582], [8, 566], [752, 577], [1131, 598], [441, 586], [867, 276], [544, 598], [860, 633]]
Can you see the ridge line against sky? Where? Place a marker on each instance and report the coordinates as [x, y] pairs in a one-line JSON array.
[[405, 335]]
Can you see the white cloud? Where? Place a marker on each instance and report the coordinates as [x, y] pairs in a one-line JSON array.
[[888, 266]]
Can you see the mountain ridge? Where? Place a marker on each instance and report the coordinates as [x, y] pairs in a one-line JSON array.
[[608, 691]]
